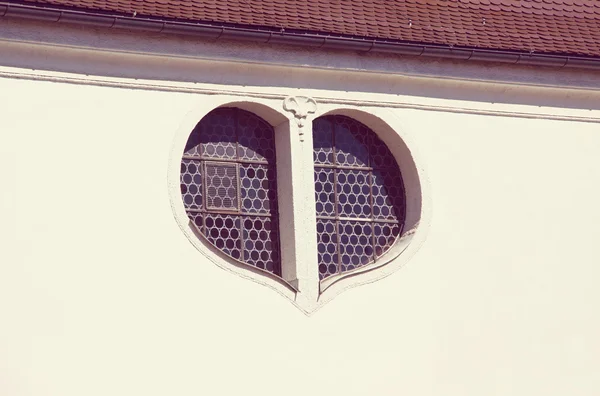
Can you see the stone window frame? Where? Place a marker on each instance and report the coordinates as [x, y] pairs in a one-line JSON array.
[[291, 118]]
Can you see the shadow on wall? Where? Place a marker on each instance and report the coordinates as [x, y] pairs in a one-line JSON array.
[[120, 53]]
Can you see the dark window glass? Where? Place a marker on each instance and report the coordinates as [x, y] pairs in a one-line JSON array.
[[359, 195], [228, 186]]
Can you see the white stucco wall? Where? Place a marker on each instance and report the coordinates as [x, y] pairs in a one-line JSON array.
[[102, 294]]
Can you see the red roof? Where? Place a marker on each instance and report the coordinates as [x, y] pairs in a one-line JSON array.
[[539, 26]]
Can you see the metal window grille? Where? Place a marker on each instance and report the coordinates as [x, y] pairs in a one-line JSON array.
[[228, 186], [359, 193]]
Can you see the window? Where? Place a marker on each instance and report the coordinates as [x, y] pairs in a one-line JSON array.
[[228, 186], [306, 208], [359, 195]]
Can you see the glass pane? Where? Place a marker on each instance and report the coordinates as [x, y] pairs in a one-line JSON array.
[[381, 157], [351, 148], [385, 236], [322, 141], [261, 245], [354, 193], [223, 231], [221, 186], [256, 140], [258, 189], [196, 218], [191, 184], [388, 195], [327, 248], [324, 193], [217, 135], [356, 246]]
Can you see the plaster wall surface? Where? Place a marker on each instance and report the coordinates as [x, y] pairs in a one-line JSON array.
[[101, 292]]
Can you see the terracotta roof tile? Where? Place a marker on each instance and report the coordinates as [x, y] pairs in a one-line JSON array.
[[544, 26]]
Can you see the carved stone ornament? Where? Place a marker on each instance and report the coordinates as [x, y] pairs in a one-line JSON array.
[[300, 107]]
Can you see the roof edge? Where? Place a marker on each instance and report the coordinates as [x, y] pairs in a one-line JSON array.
[[313, 40]]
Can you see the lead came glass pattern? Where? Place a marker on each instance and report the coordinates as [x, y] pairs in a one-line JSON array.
[[223, 231], [351, 147], [218, 138], [387, 193], [258, 237], [221, 186], [324, 183], [322, 141], [191, 184], [255, 142], [327, 252], [258, 188], [353, 193], [384, 235], [359, 194], [356, 248], [228, 186]]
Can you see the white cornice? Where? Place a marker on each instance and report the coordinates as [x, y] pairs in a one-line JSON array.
[[383, 100]]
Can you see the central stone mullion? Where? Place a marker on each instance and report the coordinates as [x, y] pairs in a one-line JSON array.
[[297, 213]]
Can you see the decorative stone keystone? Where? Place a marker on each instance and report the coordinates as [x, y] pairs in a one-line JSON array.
[[301, 107]]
